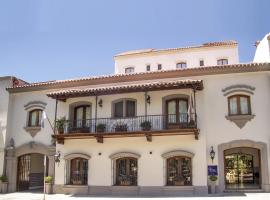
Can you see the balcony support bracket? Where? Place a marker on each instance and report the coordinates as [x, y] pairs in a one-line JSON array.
[[99, 139], [196, 133], [61, 141], [148, 137]]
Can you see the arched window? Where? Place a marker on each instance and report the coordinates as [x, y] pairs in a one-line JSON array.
[[126, 171], [181, 65], [124, 108], [239, 105], [34, 119], [129, 70], [78, 171], [222, 62], [179, 171]]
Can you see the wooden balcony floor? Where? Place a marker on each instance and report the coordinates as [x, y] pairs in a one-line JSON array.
[[60, 138]]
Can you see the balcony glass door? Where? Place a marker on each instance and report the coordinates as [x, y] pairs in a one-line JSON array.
[[176, 112], [82, 116]]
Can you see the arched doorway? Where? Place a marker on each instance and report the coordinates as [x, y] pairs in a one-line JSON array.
[[242, 168], [30, 171]]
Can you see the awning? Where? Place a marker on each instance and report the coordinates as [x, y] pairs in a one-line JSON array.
[[126, 88]]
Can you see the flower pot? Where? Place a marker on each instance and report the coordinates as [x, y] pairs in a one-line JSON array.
[[100, 130], [146, 128], [48, 188], [4, 187], [213, 187], [60, 130]]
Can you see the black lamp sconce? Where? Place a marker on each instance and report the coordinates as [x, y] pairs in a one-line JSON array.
[[100, 103], [148, 99], [57, 157], [212, 154]]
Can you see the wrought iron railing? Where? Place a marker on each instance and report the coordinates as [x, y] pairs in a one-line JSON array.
[[78, 179], [131, 124]]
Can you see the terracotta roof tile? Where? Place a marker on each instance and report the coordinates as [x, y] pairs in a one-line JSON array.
[[208, 44], [130, 87], [244, 67]]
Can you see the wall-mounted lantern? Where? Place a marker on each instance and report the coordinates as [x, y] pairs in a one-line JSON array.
[[100, 103], [148, 99], [57, 157], [212, 153]]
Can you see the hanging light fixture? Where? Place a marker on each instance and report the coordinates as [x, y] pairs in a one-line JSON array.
[[212, 154], [148, 99], [100, 103], [57, 157]]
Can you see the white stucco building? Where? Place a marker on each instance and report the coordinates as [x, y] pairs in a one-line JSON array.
[[146, 130]]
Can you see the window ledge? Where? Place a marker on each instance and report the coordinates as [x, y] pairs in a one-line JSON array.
[[32, 130], [240, 120]]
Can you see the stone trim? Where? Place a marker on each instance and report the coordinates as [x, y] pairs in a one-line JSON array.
[[153, 191], [76, 155], [240, 120], [13, 153], [265, 185], [35, 104], [238, 88], [177, 153], [32, 130], [124, 154]]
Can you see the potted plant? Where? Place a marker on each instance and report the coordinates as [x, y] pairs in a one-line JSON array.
[[101, 128], [60, 124], [213, 180], [121, 127], [4, 184], [146, 125], [192, 123], [48, 184]]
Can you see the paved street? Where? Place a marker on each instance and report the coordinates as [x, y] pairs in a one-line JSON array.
[[39, 196]]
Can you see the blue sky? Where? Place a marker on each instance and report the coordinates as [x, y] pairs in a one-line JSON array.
[[57, 39]]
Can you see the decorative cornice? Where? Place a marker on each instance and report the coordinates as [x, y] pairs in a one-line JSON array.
[[238, 88], [177, 153], [76, 155], [35, 104], [32, 130], [124, 154], [240, 120]]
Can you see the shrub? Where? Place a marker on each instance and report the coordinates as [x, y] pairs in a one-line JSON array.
[[48, 179], [3, 178], [213, 178], [146, 125]]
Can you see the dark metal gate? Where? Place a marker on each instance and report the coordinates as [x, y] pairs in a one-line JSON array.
[[23, 172]]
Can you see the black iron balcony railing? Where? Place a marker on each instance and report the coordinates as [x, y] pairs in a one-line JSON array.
[[131, 124], [78, 179]]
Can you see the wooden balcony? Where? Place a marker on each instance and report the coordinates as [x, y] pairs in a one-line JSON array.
[[139, 126]]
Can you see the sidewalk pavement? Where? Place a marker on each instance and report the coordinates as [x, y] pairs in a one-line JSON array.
[[224, 196]]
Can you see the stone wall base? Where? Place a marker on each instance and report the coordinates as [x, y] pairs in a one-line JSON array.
[[131, 190]]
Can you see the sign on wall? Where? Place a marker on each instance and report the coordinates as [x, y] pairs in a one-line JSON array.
[[212, 170]]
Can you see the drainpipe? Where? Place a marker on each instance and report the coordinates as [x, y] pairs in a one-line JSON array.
[[55, 115], [194, 94], [145, 103], [96, 114]]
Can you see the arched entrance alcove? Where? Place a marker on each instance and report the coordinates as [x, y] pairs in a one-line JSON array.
[[243, 164], [25, 164]]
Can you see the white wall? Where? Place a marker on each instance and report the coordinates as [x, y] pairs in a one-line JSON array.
[[262, 53], [4, 104], [214, 128], [151, 167], [169, 59]]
